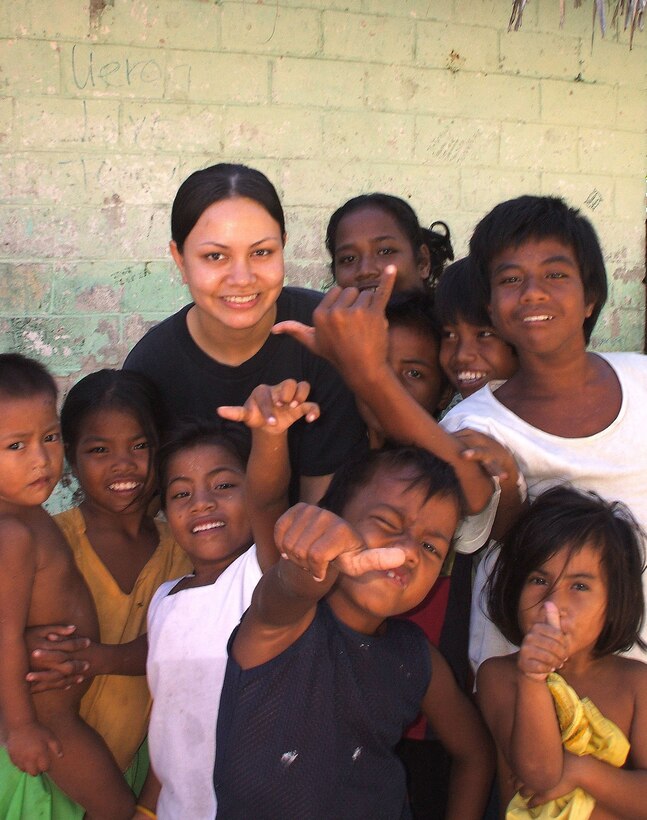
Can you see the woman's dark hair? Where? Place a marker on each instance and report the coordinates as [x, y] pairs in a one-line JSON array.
[[436, 477], [222, 181], [24, 378], [566, 518], [193, 433], [438, 239], [532, 218], [123, 390], [400, 210], [459, 296]]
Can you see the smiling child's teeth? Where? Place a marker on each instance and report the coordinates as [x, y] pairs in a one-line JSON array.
[[543, 318], [124, 485], [390, 574], [211, 525], [470, 375]]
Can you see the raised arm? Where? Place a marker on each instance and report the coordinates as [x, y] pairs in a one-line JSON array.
[[269, 412], [351, 331], [30, 744], [310, 540]]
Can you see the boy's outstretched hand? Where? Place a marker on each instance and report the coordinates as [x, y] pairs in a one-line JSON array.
[[273, 409], [544, 648], [312, 539], [350, 329], [31, 748]]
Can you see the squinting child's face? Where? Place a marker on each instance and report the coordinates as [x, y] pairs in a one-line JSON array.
[[413, 356], [112, 461], [31, 451], [367, 241], [577, 586], [388, 512], [472, 355], [537, 300], [205, 506]]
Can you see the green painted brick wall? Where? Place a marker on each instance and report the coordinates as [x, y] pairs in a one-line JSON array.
[[106, 106]]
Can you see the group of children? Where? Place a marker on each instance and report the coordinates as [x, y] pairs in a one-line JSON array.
[[295, 711]]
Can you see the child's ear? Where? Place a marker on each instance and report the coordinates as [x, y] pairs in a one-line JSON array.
[[424, 262], [589, 308]]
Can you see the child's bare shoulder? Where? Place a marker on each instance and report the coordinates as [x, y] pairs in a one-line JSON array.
[[16, 535], [632, 673]]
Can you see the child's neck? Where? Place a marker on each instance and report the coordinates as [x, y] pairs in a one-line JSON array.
[[128, 522], [206, 573]]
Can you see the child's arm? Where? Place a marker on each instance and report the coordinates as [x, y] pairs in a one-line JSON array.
[[518, 707], [622, 792], [270, 412], [30, 744], [58, 659], [462, 733], [309, 539], [351, 332]]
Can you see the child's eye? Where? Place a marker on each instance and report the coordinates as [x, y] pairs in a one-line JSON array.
[[346, 260], [509, 280], [448, 334], [180, 494], [429, 547], [52, 437], [537, 580], [143, 445], [412, 373], [98, 449], [581, 587], [486, 334], [225, 485], [386, 251], [16, 445], [386, 524]]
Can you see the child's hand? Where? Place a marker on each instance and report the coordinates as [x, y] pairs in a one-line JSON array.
[[544, 648], [58, 658], [350, 329], [274, 409], [312, 538], [496, 460], [31, 747]]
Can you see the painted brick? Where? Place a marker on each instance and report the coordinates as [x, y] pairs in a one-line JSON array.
[[629, 196], [363, 37], [347, 136], [342, 5], [270, 29], [61, 123], [6, 177], [175, 126], [444, 141], [271, 132], [29, 67], [307, 228], [612, 62], [593, 193], [611, 152], [68, 344], [571, 103], [623, 244], [626, 292], [483, 188], [539, 147], [309, 274], [496, 97], [100, 70], [111, 287], [457, 48], [405, 88], [25, 289], [540, 55], [325, 83], [632, 108], [577, 21], [204, 76], [6, 121], [34, 18], [416, 9], [165, 23], [491, 13]]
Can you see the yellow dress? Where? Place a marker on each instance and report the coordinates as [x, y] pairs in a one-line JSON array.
[[585, 731], [117, 706]]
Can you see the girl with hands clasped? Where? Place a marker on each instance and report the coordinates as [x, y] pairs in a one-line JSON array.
[[569, 716], [320, 682], [221, 508]]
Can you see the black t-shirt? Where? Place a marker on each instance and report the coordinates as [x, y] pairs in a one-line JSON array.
[[310, 733], [193, 384]]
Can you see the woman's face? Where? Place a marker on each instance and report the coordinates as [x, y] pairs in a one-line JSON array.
[[232, 262], [369, 239]]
